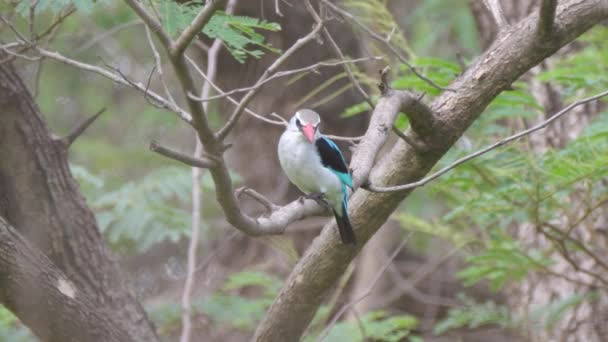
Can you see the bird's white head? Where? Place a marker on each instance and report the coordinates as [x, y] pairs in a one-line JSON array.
[[307, 122]]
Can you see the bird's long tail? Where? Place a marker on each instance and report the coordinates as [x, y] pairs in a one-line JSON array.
[[344, 227]]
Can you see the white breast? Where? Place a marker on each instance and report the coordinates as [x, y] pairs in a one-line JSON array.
[[302, 164]]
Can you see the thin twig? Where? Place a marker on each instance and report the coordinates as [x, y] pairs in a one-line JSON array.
[[381, 39], [365, 293], [280, 74], [223, 132], [151, 22], [270, 207], [339, 54], [160, 102], [159, 66], [78, 130], [231, 99], [484, 150]]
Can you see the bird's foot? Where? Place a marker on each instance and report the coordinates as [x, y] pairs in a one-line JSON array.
[[318, 197]]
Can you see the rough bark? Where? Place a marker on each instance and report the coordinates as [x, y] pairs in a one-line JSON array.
[[513, 53], [41, 200]]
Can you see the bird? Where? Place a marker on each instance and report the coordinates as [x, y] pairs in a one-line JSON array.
[[315, 164]]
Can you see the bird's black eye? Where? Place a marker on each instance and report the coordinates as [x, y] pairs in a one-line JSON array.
[[298, 123]]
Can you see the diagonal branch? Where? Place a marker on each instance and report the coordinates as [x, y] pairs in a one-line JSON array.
[[487, 149], [496, 10], [78, 130]]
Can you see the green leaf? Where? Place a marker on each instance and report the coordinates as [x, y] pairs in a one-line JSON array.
[[239, 34]]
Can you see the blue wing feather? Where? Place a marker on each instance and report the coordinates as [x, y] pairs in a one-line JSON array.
[[332, 158]]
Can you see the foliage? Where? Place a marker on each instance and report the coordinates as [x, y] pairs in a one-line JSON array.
[[375, 326], [11, 329], [516, 187], [54, 5], [143, 212], [237, 32], [473, 315], [240, 303]]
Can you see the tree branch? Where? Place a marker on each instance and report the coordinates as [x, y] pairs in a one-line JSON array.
[[339, 54], [161, 102], [385, 42], [202, 162], [224, 131], [151, 22], [503, 63], [546, 18], [365, 293], [496, 10], [202, 18], [78, 130], [487, 149]]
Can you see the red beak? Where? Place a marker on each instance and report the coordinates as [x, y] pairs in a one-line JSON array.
[[309, 132]]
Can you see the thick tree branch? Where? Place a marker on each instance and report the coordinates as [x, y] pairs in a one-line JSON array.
[[509, 57], [383, 118]]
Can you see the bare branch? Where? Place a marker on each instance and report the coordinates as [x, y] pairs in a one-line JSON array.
[[78, 130], [280, 74], [159, 66], [231, 99], [383, 118], [496, 10], [202, 18], [160, 101], [258, 197], [204, 163], [365, 293], [223, 132], [212, 56], [339, 54], [546, 18], [381, 39], [484, 150]]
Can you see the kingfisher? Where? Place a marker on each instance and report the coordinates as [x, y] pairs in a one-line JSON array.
[[317, 167]]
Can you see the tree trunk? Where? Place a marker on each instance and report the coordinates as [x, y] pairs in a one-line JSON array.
[[41, 200]]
